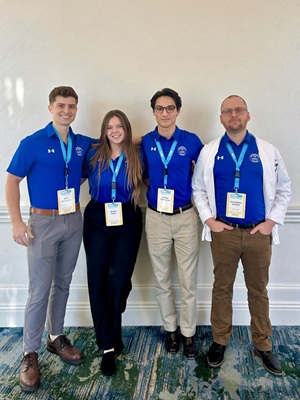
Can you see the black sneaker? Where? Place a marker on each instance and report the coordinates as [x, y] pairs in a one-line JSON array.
[[215, 355], [172, 342], [270, 361], [108, 363], [189, 348]]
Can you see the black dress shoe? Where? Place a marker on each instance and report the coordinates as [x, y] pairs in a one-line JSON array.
[[215, 355], [172, 342], [108, 363], [270, 361], [189, 348]]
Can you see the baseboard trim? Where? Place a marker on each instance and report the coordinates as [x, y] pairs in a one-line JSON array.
[[142, 308]]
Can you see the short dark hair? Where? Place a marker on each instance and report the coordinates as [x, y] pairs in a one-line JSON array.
[[64, 91], [167, 92]]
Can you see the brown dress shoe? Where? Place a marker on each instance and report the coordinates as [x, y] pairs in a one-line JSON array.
[[30, 372], [67, 352]]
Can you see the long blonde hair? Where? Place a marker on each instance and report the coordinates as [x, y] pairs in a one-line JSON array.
[[102, 156]]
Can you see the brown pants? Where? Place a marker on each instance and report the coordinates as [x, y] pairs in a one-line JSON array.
[[228, 248]]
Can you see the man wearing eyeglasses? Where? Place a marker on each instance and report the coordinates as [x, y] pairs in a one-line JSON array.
[[169, 154], [241, 189]]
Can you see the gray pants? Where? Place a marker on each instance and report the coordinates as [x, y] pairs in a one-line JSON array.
[[52, 257]]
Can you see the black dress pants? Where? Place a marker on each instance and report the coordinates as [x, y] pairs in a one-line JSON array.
[[111, 253]]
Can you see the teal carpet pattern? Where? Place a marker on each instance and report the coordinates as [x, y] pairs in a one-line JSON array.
[[145, 371]]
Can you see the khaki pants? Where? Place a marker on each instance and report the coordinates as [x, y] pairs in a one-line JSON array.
[[254, 251], [182, 230]]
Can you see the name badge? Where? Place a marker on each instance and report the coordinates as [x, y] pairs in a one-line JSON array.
[[113, 214], [165, 200], [66, 201], [236, 205]]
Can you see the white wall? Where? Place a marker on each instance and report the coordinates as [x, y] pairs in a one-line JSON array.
[[116, 54]]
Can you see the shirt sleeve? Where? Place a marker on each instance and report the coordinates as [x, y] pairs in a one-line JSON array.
[[197, 147], [144, 160], [283, 191], [22, 160], [86, 166]]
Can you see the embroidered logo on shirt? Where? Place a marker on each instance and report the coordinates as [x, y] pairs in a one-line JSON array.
[[79, 151], [51, 151], [254, 158], [220, 157], [153, 149], [182, 151]]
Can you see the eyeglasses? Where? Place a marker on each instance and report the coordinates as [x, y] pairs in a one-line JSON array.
[[160, 109], [237, 110]]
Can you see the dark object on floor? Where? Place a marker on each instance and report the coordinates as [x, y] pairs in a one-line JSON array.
[[108, 363], [189, 348], [172, 342], [215, 355], [270, 361]]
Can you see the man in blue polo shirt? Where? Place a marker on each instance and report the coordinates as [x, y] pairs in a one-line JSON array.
[[241, 189], [169, 154], [51, 160]]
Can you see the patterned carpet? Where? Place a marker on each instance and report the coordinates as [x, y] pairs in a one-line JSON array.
[[146, 372]]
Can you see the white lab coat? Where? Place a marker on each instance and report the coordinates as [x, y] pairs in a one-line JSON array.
[[276, 185]]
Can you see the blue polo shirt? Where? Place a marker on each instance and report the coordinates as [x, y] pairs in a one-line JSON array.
[[100, 187], [39, 158], [179, 169], [251, 179]]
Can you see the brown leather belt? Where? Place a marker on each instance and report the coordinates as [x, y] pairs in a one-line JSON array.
[[42, 211]]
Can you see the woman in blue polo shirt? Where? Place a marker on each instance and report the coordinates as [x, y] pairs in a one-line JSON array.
[[112, 230]]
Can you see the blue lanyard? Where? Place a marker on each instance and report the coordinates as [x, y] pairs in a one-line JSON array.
[[164, 160], [238, 163], [66, 154], [115, 174]]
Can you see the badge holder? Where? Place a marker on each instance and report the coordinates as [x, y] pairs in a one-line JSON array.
[[236, 205], [113, 214], [165, 200], [66, 201]]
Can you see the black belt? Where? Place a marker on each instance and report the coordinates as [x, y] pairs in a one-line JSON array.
[[240, 226], [176, 211]]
